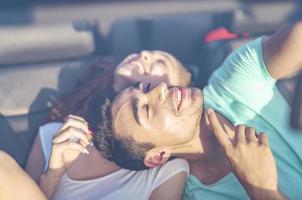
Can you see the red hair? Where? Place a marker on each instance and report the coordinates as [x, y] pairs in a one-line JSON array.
[[97, 76]]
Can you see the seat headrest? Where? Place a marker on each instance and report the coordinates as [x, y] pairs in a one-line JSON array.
[[31, 44]]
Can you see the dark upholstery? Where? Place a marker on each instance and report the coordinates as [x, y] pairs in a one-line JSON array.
[[27, 92]]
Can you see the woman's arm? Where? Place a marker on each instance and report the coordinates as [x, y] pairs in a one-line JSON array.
[[15, 183], [70, 141], [67, 144], [49, 182], [171, 189], [34, 167], [36, 161]]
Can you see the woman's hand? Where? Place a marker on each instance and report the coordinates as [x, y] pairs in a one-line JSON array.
[[70, 141], [67, 145], [251, 159]]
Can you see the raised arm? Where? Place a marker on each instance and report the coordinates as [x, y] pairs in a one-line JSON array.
[[70, 141], [282, 50], [67, 144]]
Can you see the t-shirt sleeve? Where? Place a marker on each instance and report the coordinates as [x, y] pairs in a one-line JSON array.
[[46, 133], [167, 171], [244, 77]]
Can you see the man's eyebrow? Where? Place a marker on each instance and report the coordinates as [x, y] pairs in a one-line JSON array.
[[134, 106]]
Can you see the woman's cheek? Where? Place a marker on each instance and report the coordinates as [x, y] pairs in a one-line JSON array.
[[157, 70]]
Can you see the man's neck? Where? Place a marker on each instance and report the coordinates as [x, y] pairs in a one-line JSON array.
[[211, 165]]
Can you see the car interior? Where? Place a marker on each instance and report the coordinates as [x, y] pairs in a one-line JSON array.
[[45, 46]]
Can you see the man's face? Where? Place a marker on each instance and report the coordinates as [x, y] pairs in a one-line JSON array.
[[162, 116]]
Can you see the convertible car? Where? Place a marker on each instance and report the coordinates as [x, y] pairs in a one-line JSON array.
[[46, 45]]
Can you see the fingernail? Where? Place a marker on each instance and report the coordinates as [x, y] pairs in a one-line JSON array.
[[209, 111], [86, 151], [90, 132]]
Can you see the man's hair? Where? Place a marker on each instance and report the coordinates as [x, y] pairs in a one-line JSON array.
[[124, 151]]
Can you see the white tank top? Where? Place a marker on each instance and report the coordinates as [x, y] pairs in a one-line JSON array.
[[119, 185]]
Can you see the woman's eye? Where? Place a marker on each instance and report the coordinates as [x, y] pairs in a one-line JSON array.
[[137, 85], [162, 63], [147, 88]]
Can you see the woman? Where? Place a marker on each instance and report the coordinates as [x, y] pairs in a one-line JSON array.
[[64, 164]]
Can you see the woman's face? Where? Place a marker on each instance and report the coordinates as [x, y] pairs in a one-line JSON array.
[[150, 67]]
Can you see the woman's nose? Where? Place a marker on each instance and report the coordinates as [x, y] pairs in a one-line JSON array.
[[146, 58]]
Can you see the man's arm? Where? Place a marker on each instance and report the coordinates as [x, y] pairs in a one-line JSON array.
[[282, 50], [171, 189]]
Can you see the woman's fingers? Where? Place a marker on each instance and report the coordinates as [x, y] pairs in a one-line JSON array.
[[70, 133], [75, 117], [72, 121], [74, 128], [217, 129], [76, 146], [61, 147]]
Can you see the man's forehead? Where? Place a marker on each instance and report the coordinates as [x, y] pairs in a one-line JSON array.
[[122, 98], [122, 105], [122, 113]]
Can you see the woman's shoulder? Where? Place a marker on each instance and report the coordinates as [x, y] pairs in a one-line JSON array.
[[167, 171], [176, 165], [49, 130], [170, 169], [50, 126]]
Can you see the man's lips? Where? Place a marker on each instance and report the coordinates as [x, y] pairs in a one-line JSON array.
[[179, 96]]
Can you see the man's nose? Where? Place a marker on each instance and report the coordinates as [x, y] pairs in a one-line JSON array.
[[159, 93]]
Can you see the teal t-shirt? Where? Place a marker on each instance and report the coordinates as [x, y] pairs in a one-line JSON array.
[[244, 92]]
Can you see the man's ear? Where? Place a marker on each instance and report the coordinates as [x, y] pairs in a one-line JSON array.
[[156, 157]]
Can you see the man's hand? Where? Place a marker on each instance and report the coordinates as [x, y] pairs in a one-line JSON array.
[[250, 158]]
